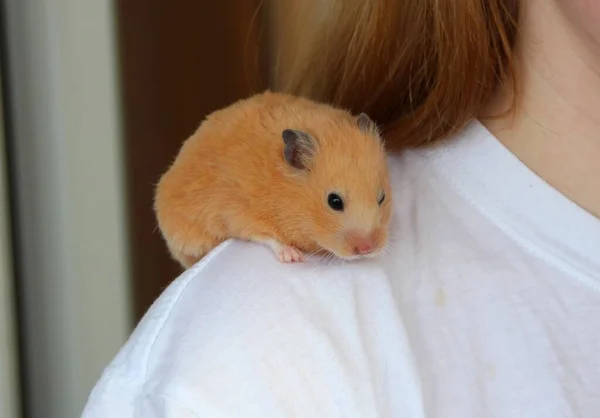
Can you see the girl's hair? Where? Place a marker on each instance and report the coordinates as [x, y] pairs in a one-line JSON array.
[[423, 68]]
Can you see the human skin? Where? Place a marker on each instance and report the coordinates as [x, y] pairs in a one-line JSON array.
[[555, 129]]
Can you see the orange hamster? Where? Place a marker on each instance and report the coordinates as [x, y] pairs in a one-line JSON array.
[[296, 175]]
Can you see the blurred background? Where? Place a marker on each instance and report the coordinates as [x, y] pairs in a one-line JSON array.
[[96, 99]]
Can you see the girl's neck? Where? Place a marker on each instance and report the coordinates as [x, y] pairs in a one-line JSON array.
[[555, 129]]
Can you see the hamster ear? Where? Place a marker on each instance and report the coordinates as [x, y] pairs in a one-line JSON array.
[[366, 124], [299, 148]]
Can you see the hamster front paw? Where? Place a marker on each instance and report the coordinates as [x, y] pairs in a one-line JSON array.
[[288, 254], [285, 253]]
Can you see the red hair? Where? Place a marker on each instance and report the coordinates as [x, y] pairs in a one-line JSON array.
[[423, 68]]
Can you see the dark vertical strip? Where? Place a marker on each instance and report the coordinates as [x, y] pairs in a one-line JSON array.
[[13, 209], [179, 61]]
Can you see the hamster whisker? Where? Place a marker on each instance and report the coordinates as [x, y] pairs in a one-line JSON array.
[[312, 253], [333, 260], [386, 249]]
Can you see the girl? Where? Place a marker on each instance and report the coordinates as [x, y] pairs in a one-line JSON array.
[[487, 303]]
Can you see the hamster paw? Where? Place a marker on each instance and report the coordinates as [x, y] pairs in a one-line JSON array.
[[290, 254], [285, 253]]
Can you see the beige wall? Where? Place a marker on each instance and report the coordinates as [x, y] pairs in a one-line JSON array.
[[70, 192]]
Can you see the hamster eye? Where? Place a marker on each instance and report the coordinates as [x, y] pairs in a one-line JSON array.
[[335, 202], [381, 198]]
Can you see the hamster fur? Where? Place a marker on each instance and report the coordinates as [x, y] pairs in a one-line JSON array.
[[241, 176]]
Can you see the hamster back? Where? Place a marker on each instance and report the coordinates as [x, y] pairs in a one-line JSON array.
[[268, 169]]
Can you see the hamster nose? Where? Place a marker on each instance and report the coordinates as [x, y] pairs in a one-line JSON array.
[[362, 249], [363, 244]]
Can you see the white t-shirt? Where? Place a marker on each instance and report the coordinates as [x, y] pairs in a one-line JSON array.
[[486, 305]]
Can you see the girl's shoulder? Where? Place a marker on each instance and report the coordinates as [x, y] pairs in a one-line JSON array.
[[242, 334]]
